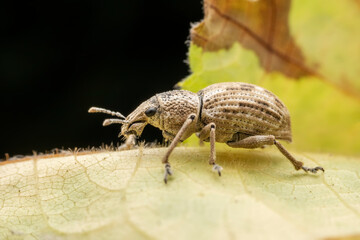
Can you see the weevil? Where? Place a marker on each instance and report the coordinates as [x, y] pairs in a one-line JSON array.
[[242, 115]]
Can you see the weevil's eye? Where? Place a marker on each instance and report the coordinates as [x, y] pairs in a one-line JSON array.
[[150, 111]]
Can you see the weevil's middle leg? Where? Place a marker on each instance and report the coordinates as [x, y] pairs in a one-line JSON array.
[[206, 132], [259, 141], [173, 144]]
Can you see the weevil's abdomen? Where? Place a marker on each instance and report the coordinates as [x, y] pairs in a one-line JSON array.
[[244, 108]]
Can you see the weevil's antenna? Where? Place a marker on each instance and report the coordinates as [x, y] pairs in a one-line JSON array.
[[103, 110], [109, 121]]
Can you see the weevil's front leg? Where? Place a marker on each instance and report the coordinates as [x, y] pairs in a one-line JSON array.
[[129, 143], [259, 141], [173, 144], [206, 132]]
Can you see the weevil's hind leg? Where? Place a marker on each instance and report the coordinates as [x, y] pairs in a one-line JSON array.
[[253, 141], [173, 144], [259, 141], [297, 164], [206, 132]]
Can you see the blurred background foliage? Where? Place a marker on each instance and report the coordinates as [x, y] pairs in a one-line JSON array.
[[305, 51]]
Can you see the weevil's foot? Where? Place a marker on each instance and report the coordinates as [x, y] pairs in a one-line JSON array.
[[125, 147], [168, 172], [217, 168], [313, 170], [129, 143]]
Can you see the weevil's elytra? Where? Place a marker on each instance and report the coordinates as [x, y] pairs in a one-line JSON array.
[[242, 115], [235, 110]]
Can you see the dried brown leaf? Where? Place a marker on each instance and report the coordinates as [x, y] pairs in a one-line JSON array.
[[261, 26]]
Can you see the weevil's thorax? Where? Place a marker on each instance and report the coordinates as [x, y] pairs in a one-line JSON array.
[[175, 107]]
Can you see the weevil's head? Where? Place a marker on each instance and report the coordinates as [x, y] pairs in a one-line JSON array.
[[146, 113], [167, 111], [135, 122]]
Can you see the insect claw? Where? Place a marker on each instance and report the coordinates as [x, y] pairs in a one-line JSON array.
[[217, 168], [313, 170], [168, 172]]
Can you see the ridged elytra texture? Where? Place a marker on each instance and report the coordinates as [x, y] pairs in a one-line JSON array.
[[244, 108]]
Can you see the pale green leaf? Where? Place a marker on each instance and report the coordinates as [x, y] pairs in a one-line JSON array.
[[121, 195]]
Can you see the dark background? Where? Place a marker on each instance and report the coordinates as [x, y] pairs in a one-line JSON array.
[[59, 58]]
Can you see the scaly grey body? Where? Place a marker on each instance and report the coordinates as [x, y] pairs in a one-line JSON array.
[[238, 114]]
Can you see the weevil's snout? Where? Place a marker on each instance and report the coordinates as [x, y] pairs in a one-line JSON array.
[[135, 128], [140, 117]]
